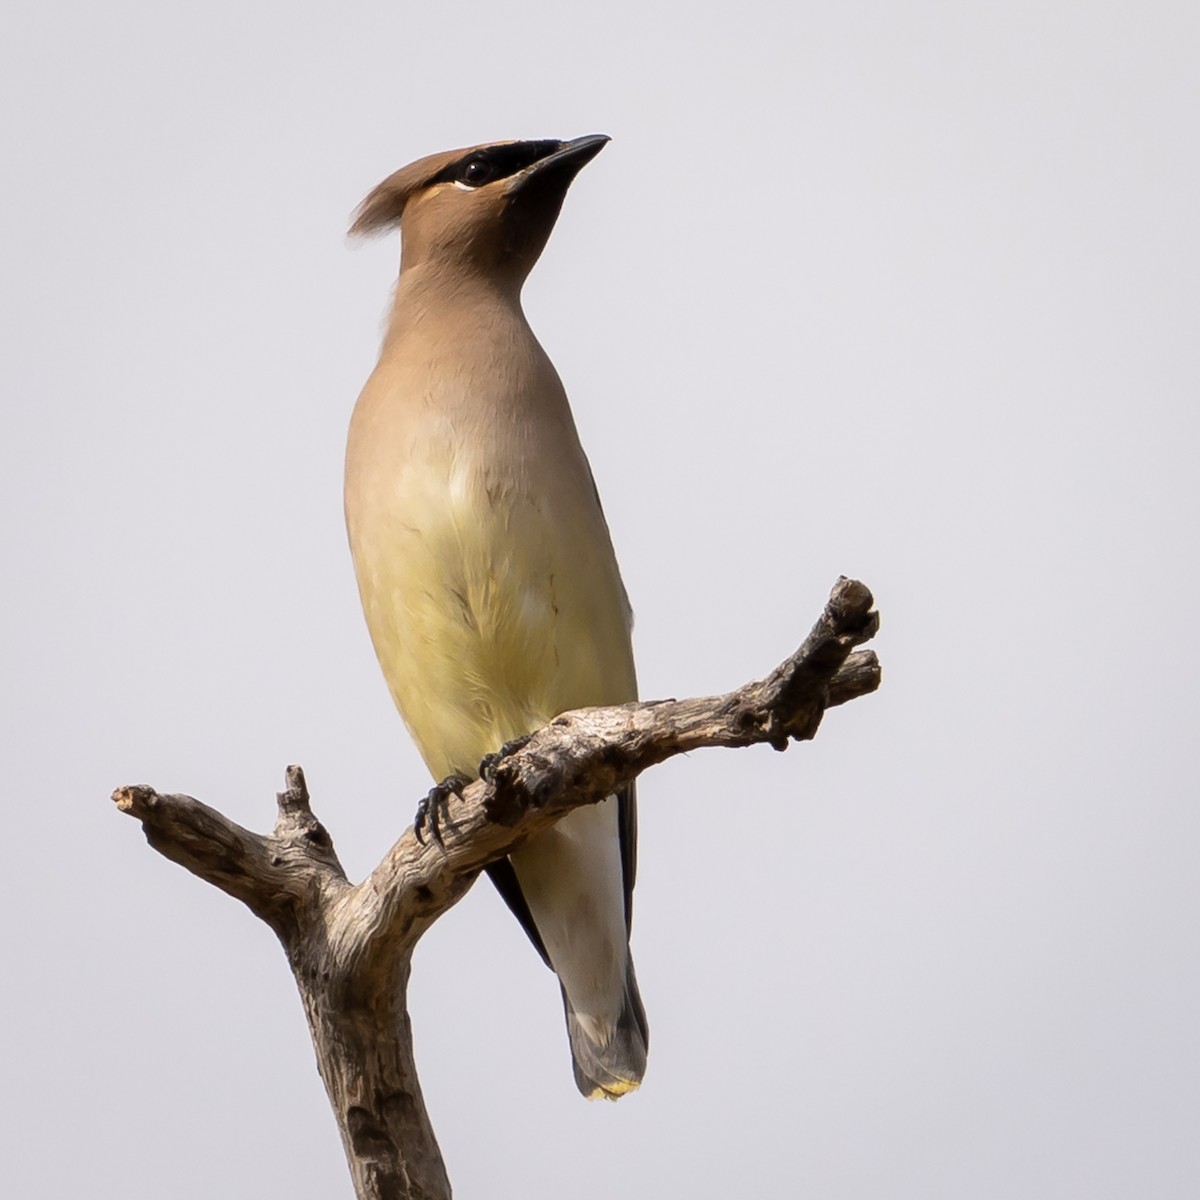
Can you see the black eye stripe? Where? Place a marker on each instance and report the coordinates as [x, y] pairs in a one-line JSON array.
[[495, 162]]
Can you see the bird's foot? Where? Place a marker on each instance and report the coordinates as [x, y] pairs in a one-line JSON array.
[[431, 811], [489, 762]]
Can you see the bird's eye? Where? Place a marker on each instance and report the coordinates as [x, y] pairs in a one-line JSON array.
[[475, 173]]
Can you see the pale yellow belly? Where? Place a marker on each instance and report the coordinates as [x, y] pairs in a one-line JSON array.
[[491, 609]]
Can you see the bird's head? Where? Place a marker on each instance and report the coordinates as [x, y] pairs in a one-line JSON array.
[[486, 208]]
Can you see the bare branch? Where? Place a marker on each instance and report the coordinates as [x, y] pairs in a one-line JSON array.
[[350, 946]]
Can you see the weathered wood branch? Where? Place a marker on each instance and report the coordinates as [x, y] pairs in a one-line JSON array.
[[350, 946]]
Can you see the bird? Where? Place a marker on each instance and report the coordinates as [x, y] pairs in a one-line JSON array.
[[483, 557]]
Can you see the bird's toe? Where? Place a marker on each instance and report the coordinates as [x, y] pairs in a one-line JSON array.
[[489, 762], [432, 809]]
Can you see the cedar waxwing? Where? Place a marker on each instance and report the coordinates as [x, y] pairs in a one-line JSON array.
[[483, 558]]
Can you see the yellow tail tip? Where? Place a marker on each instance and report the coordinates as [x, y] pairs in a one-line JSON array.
[[614, 1090]]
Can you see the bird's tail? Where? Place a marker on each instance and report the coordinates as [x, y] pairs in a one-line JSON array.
[[610, 1060]]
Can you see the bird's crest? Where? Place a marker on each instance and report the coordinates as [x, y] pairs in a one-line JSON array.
[[384, 205]]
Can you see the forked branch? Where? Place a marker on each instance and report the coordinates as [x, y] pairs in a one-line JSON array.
[[349, 946]]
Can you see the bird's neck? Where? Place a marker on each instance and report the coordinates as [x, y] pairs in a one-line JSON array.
[[453, 294], [467, 326]]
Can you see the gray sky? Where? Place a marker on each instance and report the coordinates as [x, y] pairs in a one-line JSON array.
[[903, 291]]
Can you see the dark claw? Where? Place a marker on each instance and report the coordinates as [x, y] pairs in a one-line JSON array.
[[489, 762], [431, 810]]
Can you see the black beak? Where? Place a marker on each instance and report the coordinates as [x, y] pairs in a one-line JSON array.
[[565, 162]]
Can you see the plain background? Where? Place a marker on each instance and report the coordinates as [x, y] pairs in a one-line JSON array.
[[903, 291]]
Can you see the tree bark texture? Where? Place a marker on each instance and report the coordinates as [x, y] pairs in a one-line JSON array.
[[350, 945]]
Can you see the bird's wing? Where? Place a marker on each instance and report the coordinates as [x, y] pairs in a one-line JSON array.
[[627, 823], [501, 873]]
